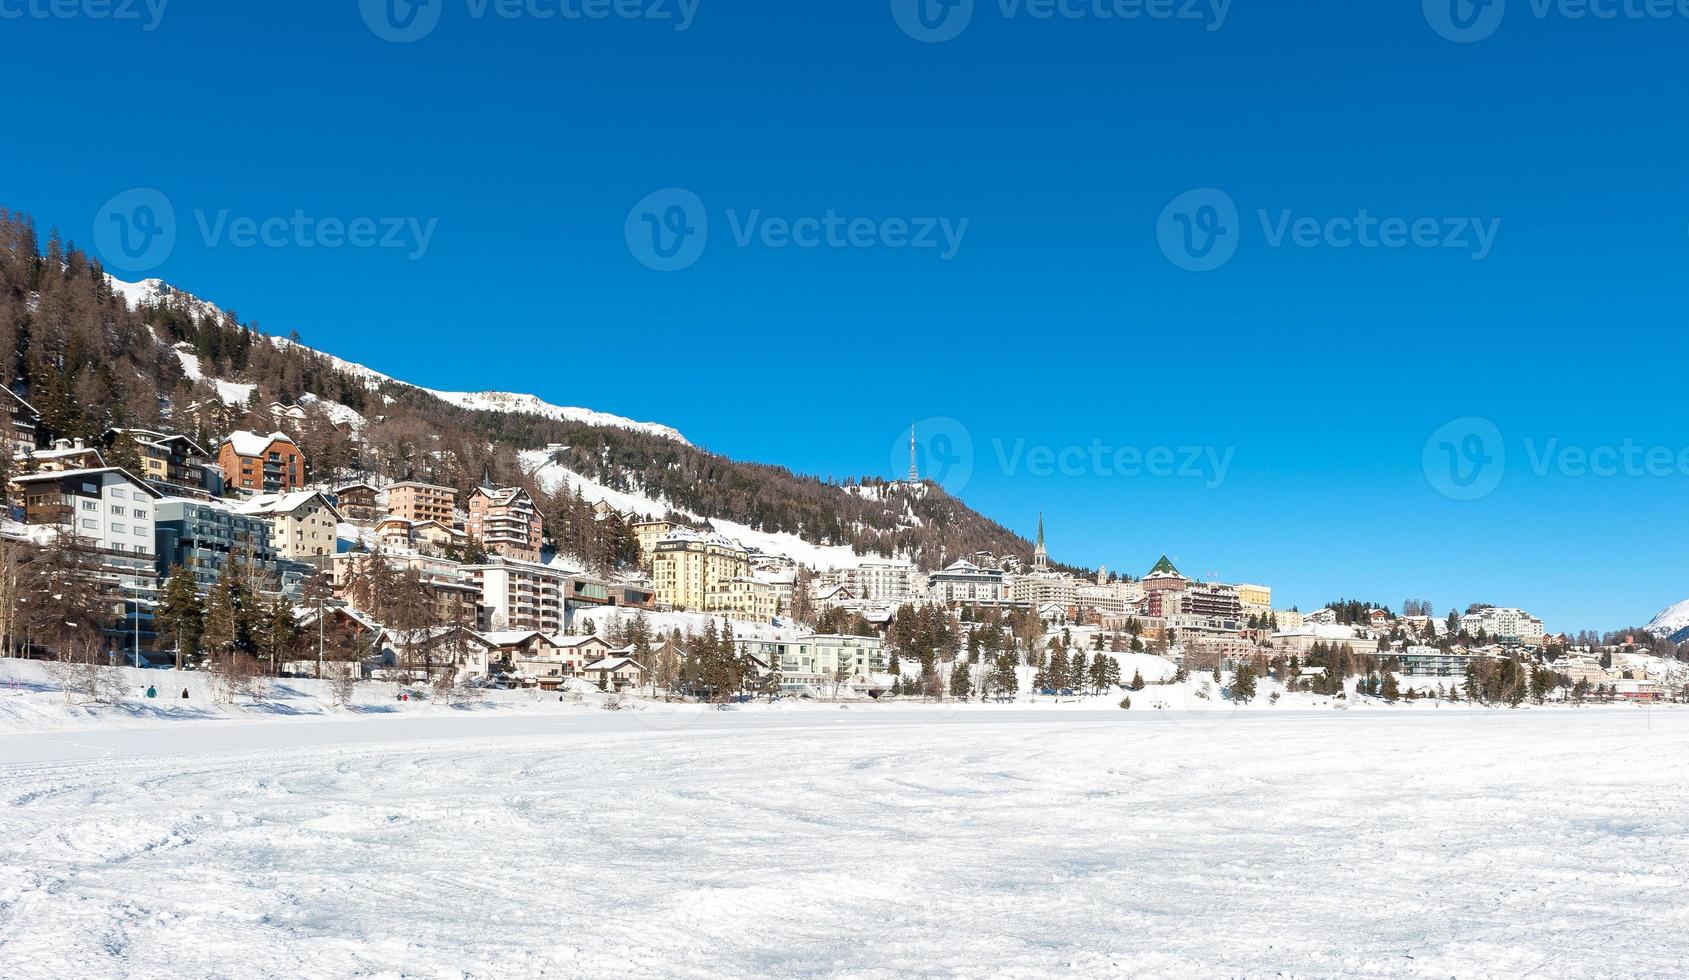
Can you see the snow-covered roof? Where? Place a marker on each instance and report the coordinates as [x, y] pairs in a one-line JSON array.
[[252, 444], [74, 474], [614, 663], [510, 638], [69, 452], [1319, 631], [570, 642], [285, 503]]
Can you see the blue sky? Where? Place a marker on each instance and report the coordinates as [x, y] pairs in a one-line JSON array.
[[1319, 372]]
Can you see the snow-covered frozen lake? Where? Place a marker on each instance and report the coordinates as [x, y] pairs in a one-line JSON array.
[[871, 842]]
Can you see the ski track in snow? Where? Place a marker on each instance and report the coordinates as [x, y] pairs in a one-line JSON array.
[[886, 842]]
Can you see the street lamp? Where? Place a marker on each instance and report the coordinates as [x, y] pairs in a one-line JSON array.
[[136, 622]]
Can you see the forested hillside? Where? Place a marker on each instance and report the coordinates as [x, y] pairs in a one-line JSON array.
[[72, 345]]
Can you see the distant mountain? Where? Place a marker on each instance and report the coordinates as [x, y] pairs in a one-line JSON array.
[[1672, 623]]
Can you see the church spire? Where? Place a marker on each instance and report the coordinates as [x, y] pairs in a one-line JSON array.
[[1040, 557]]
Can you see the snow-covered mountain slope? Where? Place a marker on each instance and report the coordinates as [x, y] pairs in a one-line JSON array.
[[504, 401], [153, 291], [553, 476], [1672, 623]]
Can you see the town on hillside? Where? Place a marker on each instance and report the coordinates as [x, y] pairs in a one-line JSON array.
[[148, 549]]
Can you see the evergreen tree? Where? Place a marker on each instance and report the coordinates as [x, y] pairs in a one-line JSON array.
[[221, 624], [1243, 682], [181, 615], [961, 684], [1005, 680]]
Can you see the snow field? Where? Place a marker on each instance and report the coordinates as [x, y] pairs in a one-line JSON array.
[[878, 842]]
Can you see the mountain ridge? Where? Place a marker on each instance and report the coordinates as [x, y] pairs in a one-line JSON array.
[[92, 352], [153, 291]]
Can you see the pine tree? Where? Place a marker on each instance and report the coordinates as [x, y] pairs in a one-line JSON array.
[[961, 684], [1006, 681], [1243, 683], [221, 629], [181, 615], [1055, 675]]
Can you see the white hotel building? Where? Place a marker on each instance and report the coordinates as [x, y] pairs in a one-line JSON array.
[[1506, 625]]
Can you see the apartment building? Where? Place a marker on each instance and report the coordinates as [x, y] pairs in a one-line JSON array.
[[203, 536], [23, 423], [815, 661], [1301, 639], [535, 658], [744, 597], [110, 511], [169, 459], [686, 567], [520, 595], [1102, 598], [303, 524], [1422, 661], [422, 502], [408, 535], [254, 464], [107, 508], [649, 533], [890, 582], [1255, 599], [1042, 588], [1504, 624], [505, 522], [359, 503], [964, 583]]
